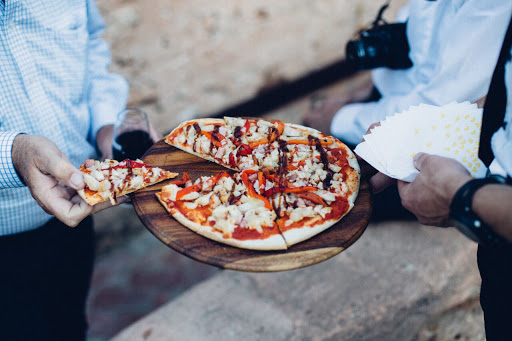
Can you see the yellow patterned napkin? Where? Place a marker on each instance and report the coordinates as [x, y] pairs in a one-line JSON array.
[[452, 130]]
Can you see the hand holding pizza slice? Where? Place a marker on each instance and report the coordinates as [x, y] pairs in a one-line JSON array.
[[109, 179]]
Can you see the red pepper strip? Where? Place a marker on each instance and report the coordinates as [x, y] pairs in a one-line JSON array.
[[186, 177], [262, 182], [280, 126], [252, 192], [312, 197], [276, 133], [218, 137], [182, 192], [271, 191], [236, 141], [258, 142], [250, 171], [244, 150], [232, 161], [214, 179], [212, 140], [129, 164], [273, 136], [300, 189], [135, 164], [247, 125]]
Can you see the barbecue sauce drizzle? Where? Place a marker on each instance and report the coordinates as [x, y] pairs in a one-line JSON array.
[[315, 141]]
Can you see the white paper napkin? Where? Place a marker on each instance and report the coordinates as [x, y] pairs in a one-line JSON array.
[[452, 130]]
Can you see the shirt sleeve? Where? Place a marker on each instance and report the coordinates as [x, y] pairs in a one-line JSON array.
[[8, 176], [464, 66], [107, 92]]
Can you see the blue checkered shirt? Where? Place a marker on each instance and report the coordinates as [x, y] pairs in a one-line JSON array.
[[54, 82]]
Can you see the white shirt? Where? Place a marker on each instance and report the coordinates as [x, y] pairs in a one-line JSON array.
[[454, 46], [501, 142]]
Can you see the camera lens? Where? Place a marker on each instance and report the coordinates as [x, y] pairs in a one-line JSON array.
[[354, 51], [362, 55]]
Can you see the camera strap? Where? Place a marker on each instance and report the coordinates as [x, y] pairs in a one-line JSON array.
[[379, 19]]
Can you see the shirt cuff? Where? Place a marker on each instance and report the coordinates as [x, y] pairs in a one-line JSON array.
[[105, 114], [345, 125], [8, 176], [107, 103]]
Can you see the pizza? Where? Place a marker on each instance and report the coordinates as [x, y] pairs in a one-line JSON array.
[[224, 208], [109, 179], [290, 183]]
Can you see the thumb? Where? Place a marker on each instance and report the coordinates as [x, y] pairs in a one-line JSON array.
[[60, 168], [418, 160], [380, 182]]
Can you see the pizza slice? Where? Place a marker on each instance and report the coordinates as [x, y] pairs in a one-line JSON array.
[[226, 209], [207, 138], [109, 179], [319, 187], [235, 143]]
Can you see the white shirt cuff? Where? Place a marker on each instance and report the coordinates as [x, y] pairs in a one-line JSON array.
[[346, 124]]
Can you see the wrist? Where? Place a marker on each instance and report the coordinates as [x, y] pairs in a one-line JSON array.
[[454, 186], [464, 217], [104, 140], [18, 155]]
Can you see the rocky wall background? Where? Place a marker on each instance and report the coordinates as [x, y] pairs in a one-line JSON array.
[[185, 58]]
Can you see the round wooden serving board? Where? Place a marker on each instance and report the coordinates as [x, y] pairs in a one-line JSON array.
[[157, 220]]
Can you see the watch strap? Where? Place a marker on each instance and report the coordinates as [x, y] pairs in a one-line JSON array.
[[461, 212]]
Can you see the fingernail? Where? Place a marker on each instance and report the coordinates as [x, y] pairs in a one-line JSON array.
[[416, 156], [76, 180]]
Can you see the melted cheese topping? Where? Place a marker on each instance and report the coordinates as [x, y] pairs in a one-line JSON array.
[[111, 176]]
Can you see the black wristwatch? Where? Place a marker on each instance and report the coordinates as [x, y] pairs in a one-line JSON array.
[[466, 221]]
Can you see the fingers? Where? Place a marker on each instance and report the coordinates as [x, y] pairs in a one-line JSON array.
[[369, 130], [419, 159], [373, 125], [61, 169], [379, 182], [481, 102], [41, 156], [89, 163], [62, 202]]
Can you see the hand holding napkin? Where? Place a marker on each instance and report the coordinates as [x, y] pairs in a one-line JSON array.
[[452, 130]]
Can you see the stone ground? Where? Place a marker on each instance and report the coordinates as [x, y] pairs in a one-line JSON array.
[[400, 281]]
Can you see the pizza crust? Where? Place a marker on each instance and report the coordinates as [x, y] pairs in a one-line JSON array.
[[297, 235], [92, 199], [275, 242]]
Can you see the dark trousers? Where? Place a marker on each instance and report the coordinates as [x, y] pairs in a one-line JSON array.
[[495, 265], [44, 280]]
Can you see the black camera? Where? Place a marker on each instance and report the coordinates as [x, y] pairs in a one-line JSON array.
[[382, 44]]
